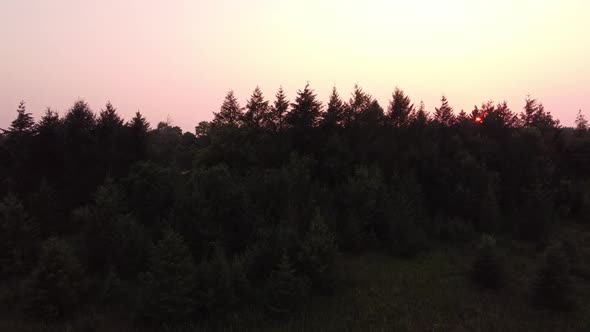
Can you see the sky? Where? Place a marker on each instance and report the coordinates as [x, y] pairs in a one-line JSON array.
[[176, 59]]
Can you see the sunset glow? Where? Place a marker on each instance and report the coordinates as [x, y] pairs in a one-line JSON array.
[[179, 58]]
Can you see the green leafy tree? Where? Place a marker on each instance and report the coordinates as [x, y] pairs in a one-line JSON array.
[[170, 281], [55, 287]]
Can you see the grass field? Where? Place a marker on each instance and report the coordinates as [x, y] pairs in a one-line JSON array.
[[432, 292]]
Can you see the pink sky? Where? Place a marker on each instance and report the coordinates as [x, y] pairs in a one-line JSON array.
[[178, 58]]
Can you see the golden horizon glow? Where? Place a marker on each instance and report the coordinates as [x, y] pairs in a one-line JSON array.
[[179, 57]]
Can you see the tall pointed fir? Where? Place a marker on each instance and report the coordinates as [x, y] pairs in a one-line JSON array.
[[305, 111], [443, 115], [334, 115], [401, 109], [256, 109], [230, 112]]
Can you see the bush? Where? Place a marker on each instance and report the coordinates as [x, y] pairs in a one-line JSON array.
[[553, 287], [487, 269]]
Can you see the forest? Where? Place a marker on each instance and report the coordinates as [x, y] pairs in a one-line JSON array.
[[296, 215]]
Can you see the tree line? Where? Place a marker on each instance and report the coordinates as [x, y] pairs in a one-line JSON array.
[[252, 210]]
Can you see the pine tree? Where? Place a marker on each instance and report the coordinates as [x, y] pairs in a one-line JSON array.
[[534, 115], [230, 112], [137, 129], [487, 269], [334, 115], [305, 111], [285, 291], [401, 109], [553, 287], [443, 115], [170, 280], [275, 119], [55, 284], [256, 109], [108, 118], [23, 124], [318, 254], [421, 117], [581, 123], [359, 102]]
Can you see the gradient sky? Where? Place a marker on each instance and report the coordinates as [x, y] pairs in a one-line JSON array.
[[178, 58]]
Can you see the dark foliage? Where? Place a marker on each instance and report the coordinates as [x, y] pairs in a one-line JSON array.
[[251, 211]]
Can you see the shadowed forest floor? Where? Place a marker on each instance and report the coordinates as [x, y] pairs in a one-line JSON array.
[[432, 292]]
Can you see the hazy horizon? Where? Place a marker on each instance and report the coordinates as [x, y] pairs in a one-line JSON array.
[[179, 58]]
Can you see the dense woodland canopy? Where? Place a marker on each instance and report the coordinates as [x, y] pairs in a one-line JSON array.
[[251, 210]]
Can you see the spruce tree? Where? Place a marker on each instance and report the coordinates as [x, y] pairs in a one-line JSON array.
[[230, 112], [305, 111], [401, 109], [23, 124], [443, 115], [275, 119], [256, 109], [335, 112]]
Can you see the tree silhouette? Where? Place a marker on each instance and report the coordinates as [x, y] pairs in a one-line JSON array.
[[334, 115], [401, 109], [230, 112], [275, 119], [23, 124], [443, 115], [305, 111], [256, 109]]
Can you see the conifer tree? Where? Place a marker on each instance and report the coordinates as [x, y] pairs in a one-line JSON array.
[[230, 112], [335, 112], [256, 109], [305, 111], [421, 118], [581, 123], [23, 124], [401, 109], [275, 119], [443, 115]]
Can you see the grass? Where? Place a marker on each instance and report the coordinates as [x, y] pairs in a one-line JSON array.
[[432, 292]]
